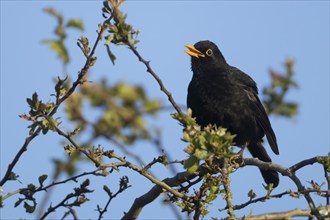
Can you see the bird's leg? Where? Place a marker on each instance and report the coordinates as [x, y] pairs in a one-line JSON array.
[[240, 153], [238, 158]]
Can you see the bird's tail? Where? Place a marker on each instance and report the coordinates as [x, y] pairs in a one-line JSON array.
[[270, 176]]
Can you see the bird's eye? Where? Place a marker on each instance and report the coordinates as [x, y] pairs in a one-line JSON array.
[[209, 52]]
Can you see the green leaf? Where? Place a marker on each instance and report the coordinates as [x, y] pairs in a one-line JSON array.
[[251, 194], [42, 179], [30, 102], [108, 39], [45, 130], [76, 23], [59, 48], [13, 176], [108, 191], [35, 100], [110, 54], [51, 11], [18, 202], [29, 208], [201, 154], [52, 123], [191, 164], [33, 127]]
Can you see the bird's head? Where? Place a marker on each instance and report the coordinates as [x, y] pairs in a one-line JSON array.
[[205, 55]]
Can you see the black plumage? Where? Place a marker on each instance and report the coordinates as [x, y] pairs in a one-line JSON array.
[[223, 95]]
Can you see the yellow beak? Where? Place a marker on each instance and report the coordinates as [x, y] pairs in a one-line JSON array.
[[192, 51]]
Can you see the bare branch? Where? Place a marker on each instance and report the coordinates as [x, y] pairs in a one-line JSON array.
[[286, 172], [282, 215], [306, 162], [266, 197], [155, 191], [18, 156]]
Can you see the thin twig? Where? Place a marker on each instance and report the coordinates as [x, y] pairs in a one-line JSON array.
[[63, 203], [154, 180], [18, 156], [156, 77], [45, 188], [286, 172], [266, 197], [122, 188]]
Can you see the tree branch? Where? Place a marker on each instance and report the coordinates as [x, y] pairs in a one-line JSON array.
[[155, 191], [281, 215], [306, 162], [286, 172], [73, 178], [182, 177], [266, 197]]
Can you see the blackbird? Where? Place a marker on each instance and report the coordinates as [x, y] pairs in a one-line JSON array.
[[223, 95]]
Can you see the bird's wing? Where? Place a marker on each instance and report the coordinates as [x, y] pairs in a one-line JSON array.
[[251, 90], [262, 119]]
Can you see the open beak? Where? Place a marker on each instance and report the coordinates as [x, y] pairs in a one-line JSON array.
[[192, 51]]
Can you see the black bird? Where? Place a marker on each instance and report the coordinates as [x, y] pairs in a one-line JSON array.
[[223, 95]]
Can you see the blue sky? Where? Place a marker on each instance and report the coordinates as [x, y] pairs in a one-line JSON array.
[[254, 36]]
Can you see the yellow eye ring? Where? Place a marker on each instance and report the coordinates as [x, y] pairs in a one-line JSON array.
[[209, 52]]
